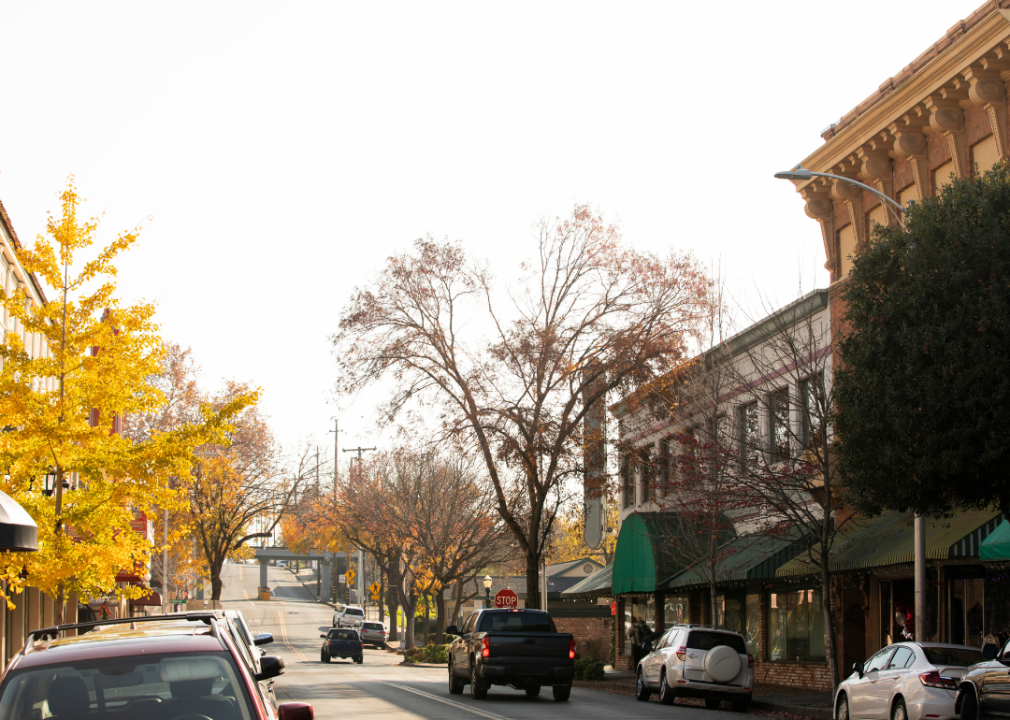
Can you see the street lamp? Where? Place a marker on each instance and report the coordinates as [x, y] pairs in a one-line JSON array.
[[800, 173], [487, 590]]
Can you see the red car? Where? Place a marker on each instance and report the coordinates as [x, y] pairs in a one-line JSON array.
[[165, 667]]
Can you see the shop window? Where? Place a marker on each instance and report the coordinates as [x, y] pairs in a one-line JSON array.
[[636, 612], [752, 623], [729, 609], [966, 611], [796, 626], [677, 610], [750, 434]]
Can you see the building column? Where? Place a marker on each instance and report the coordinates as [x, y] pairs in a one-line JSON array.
[[70, 613], [17, 638], [48, 610], [33, 609], [659, 606]]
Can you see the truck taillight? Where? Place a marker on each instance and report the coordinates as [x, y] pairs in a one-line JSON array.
[[485, 647], [571, 649], [682, 653]]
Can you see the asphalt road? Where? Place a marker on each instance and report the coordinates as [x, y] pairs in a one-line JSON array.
[[381, 688]]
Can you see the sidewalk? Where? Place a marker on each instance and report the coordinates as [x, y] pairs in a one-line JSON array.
[[774, 698]]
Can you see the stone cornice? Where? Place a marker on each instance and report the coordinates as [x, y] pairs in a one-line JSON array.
[[949, 65]]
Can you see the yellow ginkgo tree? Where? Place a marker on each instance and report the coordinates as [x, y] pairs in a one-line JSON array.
[[71, 369]]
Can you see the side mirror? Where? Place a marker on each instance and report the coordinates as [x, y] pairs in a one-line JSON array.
[[270, 667], [857, 668], [452, 630], [263, 639], [295, 711], [323, 636], [989, 651]]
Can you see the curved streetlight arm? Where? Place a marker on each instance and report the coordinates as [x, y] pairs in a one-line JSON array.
[[804, 174]]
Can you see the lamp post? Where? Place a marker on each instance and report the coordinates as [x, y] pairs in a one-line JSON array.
[[800, 173], [487, 591]]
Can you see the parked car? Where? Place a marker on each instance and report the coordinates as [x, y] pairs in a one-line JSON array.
[[348, 616], [373, 633], [248, 645], [983, 688], [166, 666], [697, 661], [518, 648], [905, 681], [342, 643]]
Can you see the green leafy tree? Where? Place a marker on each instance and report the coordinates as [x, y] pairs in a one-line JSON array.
[[924, 384]]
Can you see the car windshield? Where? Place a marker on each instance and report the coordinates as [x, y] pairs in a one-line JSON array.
[[168, 686], [343, 635], [962, 657], [516, 622], [706, 640]]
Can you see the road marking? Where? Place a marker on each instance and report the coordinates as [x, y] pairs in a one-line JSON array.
[[284, 636], [245, 593], [461, 706]]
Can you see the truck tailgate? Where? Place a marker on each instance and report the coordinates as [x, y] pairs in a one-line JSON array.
[[529, 648]]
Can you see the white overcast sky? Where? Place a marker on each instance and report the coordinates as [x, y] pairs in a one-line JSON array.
[[284, 150]]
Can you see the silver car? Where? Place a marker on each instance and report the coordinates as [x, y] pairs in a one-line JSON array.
[[372, 633], [698, 661], [906, 681]]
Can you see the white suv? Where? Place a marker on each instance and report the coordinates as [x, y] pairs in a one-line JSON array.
[[698, 661], [350, 616]]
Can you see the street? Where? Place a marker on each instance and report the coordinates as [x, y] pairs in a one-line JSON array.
[[381, 687]]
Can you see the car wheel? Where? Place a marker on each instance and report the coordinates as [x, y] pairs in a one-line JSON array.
[[562, 692], [642, 691], [477, 689], [740, 706], [842, 711], [969, 706], [533, 690], [666, 695], [712, 703], [898, 712], [456, 684], [359, 659]]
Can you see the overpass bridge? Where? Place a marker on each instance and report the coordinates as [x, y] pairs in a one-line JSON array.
[[324, 563]]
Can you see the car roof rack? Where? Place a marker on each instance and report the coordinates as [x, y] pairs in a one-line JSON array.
[[54, 631]]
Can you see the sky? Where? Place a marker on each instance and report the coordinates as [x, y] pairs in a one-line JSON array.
[[277, 153]]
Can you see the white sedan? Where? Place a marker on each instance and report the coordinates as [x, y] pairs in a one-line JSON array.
[[905, 681]]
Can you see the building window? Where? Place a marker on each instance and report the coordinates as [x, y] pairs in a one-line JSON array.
[[676, 610], [812, 400], [663, 470], [796, 626], [750, 434], [778, 407]]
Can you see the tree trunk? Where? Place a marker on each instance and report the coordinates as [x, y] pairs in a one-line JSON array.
[[215, 581], [409, 608], [382, 594], [426, 627], [829, 623], [393, 597], [458, 603], [532, 578], [439, 617]]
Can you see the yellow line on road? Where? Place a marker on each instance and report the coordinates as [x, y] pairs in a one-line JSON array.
[[461, 706], [284, 636], [245, 593]]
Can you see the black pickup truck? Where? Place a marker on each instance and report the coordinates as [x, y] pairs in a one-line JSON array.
[[518, 648]]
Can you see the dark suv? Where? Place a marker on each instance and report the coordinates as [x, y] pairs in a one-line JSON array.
[[165, 667]]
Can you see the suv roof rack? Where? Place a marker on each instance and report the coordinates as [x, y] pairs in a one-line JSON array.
[[54, 631]]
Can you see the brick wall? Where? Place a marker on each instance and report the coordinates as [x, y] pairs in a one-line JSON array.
[[812, 675], [592, 635]]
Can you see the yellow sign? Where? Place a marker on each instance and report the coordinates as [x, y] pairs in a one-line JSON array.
[[374, 588], [375, 597], [350, 577]]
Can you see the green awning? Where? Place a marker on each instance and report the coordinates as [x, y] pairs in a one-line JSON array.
[[749, 557], [888, 540], [997, 545], [647, 551]]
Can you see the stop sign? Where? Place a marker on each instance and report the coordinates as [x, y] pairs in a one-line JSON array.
[[506, 599]]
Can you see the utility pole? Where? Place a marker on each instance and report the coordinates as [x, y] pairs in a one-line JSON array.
[[361, 554], [336, 443]]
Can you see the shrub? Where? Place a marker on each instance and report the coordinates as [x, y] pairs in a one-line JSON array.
[[436, 653], [588, 669]]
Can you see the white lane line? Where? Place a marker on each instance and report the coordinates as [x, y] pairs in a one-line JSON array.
[[461, 706]]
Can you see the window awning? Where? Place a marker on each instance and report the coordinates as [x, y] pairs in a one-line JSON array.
[[648, 549], [889, 540], [996, 547], [749, 557], [18, 532]]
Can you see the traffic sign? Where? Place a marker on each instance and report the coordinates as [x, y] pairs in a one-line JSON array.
[[506, 599], [350, 577], [342, 579], [375, 597], [374, 588]]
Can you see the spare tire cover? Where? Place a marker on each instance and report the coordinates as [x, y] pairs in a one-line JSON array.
[[722, 663]]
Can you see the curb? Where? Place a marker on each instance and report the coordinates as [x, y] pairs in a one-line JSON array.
[[813, 712], [423, 665]]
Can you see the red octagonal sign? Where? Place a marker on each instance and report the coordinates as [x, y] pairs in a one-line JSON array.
[[506, 599]]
